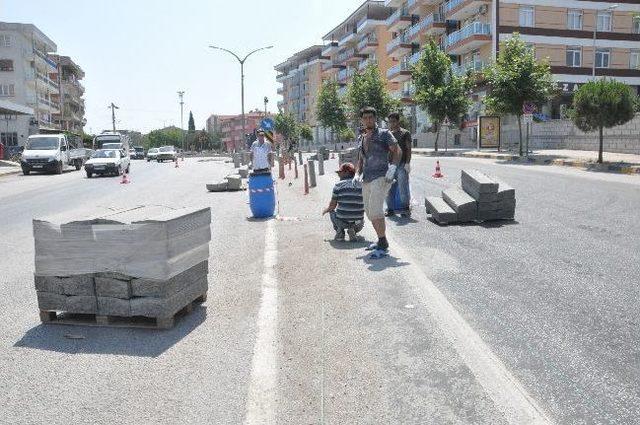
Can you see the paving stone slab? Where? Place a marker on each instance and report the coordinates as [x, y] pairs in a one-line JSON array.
[[440, 210], [167, 307], [51, 302], [475, 183], [222, 186], [114, 307], [113, 288], [461, 202], [78, 285], [488, 206], [234, 182], [166, 288], [51, 284], [81, 304]]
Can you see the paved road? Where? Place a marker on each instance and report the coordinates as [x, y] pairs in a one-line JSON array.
[[535, 320]]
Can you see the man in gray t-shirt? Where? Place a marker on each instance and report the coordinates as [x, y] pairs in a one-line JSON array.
[[374, 147]]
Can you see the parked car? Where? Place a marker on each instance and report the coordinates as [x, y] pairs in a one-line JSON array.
[[167, 153], [50, 152], [152, 154], [107, 161], [138, 152]]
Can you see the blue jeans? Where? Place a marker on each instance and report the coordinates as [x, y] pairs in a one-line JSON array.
[[399, 197]]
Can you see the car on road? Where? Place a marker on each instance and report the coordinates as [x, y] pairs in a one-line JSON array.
[[107, 162], [138, 152], [167, 153], [51, 153], [152, 154]]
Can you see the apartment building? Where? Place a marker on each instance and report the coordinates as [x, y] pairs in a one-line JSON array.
[[71, 115], [301, 77], [231, 129], [28, 78], [562, 31]]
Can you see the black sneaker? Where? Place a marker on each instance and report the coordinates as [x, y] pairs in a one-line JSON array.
[[389, 214]]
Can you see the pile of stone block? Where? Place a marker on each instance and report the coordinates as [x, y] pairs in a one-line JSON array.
[[145, 262], [231, 183], [479, 198]]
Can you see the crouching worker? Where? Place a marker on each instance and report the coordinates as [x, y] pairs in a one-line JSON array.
[[346, 208]]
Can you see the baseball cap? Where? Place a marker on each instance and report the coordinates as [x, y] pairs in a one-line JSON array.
[[260, 131], [347, 167]]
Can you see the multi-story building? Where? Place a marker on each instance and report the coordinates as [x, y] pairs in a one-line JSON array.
[[214, 122], [301, 77], [27, 77], [231, 129], [562, 31], [358, 41], [71, 115]]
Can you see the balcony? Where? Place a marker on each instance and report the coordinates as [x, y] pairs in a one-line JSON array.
[[366, 62], [367, 24], [281, 78], [45, 59], [468, 38], [470, 67], [348, 38], [402, 71], [399, 20], [399, 46], [47, 80], [459, 10], [330, 48], [345, 74], [393, 3], [348, 56], [368, 43], [404, 95], [430, 25]]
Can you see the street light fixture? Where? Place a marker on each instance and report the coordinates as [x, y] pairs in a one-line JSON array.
[[595, 30], [242, 61]]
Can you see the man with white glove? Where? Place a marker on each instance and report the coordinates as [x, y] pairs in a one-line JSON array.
[[375, 146], [399, 197]]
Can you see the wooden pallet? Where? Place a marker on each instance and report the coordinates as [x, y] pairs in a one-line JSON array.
[[66, 318]]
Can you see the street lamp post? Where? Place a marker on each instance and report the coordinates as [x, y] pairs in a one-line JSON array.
[[181, 96], [242, 61], [595, 31]]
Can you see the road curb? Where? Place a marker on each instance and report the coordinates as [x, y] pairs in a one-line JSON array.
[[617, 168], [10, 173]]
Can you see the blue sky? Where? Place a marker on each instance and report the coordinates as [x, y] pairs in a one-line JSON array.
[[139, 53]]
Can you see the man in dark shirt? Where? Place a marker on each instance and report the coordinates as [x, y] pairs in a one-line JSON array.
[[346, 208], [375, 146], [399, 198]]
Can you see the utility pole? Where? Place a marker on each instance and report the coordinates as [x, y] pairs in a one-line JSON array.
[[113, 115], [266, 100], [181, 96], [242, 61]]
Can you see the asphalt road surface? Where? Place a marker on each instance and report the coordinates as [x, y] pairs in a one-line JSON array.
[[530, 321]]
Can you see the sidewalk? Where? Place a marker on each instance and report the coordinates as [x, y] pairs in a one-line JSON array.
[[7, 167], [614, 162]]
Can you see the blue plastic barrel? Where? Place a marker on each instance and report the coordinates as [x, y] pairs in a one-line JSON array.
[[262, 197]]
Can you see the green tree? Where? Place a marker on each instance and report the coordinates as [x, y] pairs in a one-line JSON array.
[[602, 104], [169, 136], [306, 133], [368, 89], [441, 94], [516, 79], [331, 109], [192, 123], [288, 127], [347, 134]]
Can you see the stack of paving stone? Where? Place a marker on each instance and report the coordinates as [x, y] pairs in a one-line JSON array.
[[232, 182], [479, 198], [149, 262]]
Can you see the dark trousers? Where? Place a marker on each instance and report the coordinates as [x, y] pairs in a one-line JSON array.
[[340, 225]]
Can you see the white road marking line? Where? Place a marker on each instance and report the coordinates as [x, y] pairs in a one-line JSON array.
[[507, 393], [261, 399]]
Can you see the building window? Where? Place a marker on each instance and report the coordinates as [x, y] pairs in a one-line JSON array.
[[6, 65], [7, 90], [526, 16], [634, 59], [604, 21], [574, 19], [635, 26], [602, 58], [9, 139], [574, 56], [5, 40]]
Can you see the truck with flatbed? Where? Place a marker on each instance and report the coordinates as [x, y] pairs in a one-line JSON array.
[[51, 153]]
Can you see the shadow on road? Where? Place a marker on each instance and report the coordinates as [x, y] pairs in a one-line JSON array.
[[403, 221], [487, 224], [346, 245], [382, 263], [110, 340], [260, 220]]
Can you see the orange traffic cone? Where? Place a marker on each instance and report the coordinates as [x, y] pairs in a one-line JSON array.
[[438, 174], [177, 166], [125, 179]]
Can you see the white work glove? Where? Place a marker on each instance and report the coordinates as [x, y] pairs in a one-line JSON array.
[[357, 178], [391, 173], [407, 168]]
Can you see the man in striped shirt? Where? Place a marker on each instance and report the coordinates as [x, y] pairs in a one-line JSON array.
[[346, 208]]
